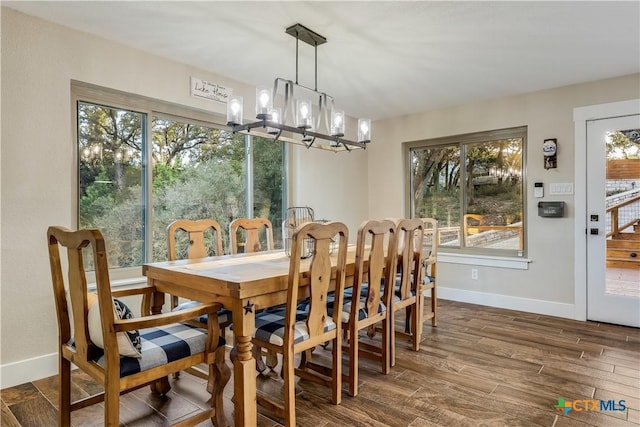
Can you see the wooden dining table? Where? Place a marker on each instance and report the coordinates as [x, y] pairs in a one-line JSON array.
[[244, 284]]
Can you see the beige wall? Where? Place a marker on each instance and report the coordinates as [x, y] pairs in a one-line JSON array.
[[548, 283], [39, 60]]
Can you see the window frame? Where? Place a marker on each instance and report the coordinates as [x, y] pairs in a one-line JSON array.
[[462, 141], [112, 98]]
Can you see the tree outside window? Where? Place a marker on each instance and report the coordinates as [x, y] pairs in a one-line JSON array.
[[473, 185], [197, 171]]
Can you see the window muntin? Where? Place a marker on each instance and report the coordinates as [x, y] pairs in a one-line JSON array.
[[198, 170], [473, 185]]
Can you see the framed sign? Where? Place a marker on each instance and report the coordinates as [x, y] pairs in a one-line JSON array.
[[210, 91]]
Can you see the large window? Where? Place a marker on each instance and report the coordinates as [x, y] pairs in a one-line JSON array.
[[473, 185], [141, 168]]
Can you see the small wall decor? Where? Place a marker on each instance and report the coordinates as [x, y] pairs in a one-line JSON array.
[[209, 91], [550, 150]]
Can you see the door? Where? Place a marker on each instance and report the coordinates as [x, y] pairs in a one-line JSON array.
[[616, 300]]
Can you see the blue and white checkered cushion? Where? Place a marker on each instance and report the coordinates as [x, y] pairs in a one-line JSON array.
[[224, 315], [396, 294], [362, 310], [270, 326], [162, 345], [346, 304]]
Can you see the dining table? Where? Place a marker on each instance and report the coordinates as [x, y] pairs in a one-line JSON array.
[[244, 284]]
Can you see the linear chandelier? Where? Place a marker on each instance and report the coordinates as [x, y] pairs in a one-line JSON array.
[[298, 113]]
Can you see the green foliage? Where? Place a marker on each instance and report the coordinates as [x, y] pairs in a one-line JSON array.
[[436, 181], [443, 206], [198, 172], [212, 190], [163, 176], [96, 199], [620, 146], [268, 182]]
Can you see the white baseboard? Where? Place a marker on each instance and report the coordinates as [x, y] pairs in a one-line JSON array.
[[24, 371], [548, 308]]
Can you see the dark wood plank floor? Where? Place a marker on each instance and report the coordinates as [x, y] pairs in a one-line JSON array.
[[480, 366]]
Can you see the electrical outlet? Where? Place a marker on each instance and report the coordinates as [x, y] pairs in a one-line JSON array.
[[474, 273]]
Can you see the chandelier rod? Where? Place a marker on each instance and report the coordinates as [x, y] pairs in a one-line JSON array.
[[311, 40], [297, 56]]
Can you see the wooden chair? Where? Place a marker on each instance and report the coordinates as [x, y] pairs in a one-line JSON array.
[[408, 284], [429, 259], [472, 224], [252, 228], [290, 331], [196, 247], [376, 247], [158, 335]]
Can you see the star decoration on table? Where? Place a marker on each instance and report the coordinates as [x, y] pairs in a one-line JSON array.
[[248, 308]]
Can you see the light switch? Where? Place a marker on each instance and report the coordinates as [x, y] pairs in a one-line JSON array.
[[564, 188]]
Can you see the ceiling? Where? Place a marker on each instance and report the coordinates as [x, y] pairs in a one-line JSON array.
[[382, 59]]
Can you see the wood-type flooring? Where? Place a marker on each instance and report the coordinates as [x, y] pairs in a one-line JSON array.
[[481, 366]]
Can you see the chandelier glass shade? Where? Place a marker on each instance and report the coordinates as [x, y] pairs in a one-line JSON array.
[[296, 113]]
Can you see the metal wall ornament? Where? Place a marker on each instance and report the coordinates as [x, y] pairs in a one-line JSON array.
[[288, 111], [550, 150]]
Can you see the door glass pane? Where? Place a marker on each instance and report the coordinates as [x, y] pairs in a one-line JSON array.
[[623, 212], [435, 186], [110, 142], [198, 172]]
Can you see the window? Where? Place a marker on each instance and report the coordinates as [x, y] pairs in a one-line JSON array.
[[473, 185], [141, 168]]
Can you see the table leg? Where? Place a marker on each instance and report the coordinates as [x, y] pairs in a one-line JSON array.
[[162, 385], [244, 367], [157, 301]]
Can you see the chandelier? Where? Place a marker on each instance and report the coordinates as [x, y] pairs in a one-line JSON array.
[[296, 113]]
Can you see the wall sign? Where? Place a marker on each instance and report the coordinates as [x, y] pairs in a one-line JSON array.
[[210, 91]]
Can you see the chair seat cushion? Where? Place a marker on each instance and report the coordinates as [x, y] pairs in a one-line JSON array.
[[270, 326], [162, 345], [346, 305], [397, 295], [428, 279], [364, 288], [362, 309], [224, 316]]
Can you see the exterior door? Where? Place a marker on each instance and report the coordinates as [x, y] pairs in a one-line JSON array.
[[607, 302]]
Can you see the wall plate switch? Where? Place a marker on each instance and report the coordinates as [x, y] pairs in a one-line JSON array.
[[538, 189], [561, 188]]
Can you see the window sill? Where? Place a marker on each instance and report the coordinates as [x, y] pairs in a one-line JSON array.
[[489, 261], [122, 283]]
